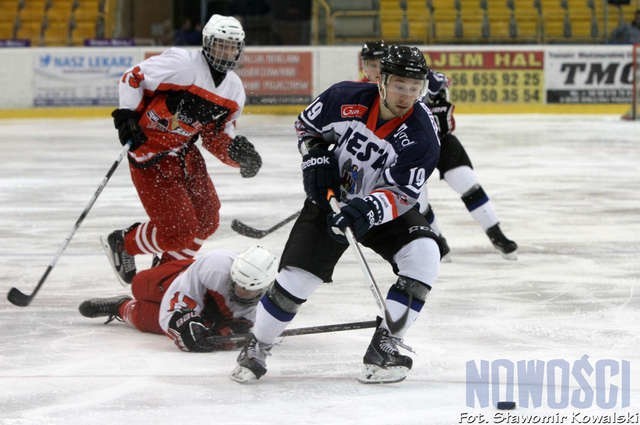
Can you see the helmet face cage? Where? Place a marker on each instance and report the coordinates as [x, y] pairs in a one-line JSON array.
[[245, 300], [222, 55], [222, 42]]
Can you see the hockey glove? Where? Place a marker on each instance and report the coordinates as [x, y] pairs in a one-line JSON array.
[[242, 151], [232, 327], [360, 214], [319, 174], [189, 333], [443, 113], [126, 121]]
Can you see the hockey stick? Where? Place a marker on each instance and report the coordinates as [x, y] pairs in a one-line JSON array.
[[394, 326], [19, 298], [252, 232], [241, 338]]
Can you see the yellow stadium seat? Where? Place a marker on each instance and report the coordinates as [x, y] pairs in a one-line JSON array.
[[32, 10], [6, 30], [445, 31], [527, 29], [56, 34], [82, 31], [30, 30], [60, 10]]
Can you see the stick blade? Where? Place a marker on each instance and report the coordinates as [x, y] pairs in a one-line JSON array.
[[248, 231], [17, 297]]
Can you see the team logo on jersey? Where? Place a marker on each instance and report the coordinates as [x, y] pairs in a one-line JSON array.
[[351, 177], [353, 111], [170, 124]]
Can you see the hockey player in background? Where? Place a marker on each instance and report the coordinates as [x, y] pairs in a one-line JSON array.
[[370, 55], [165, 103], [454, 165], [374, 146], [189, 300], [456, 169]]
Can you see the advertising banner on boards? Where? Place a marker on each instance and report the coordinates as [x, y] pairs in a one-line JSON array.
[[589, 74], [272, 77], [491, 76], [79, 77]]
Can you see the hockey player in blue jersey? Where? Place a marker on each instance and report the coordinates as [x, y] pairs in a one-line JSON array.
[[454, 165], [374, 145]]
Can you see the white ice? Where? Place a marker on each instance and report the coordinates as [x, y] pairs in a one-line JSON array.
[[566, 188]]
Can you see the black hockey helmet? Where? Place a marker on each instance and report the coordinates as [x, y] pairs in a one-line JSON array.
[[404, 61], [373, 50]]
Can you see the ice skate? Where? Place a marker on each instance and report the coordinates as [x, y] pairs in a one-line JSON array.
[[505, 246], [252, 361], [383, 363], [122, 262], [99, 307]]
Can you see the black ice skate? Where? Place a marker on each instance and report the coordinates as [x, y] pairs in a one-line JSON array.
[[252, 361], [506, 246], [383, 363], [123, 263], [100, 307]]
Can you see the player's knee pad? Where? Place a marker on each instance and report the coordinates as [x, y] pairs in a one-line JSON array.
[[280, 303], [419, 260], [474, 197], [410, 292]]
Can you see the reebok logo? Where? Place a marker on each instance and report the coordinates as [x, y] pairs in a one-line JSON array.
[[315, 162]]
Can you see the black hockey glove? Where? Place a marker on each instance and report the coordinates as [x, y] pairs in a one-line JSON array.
[[443, 113], [242, 151], [360, 214], [319, 174], [189, 333], [126, 121]]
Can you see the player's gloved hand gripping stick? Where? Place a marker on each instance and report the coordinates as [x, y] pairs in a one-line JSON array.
[[394, 326]]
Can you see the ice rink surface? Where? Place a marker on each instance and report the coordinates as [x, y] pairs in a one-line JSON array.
[[566, 188]]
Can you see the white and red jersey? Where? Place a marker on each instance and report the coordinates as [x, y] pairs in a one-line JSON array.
[[177, 98], [209, 275]]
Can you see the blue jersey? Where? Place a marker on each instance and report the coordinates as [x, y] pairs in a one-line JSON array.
[[390, 160]]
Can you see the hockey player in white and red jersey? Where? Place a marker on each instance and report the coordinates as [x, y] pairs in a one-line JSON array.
[[374, 146], [166, 103], [190, 300]]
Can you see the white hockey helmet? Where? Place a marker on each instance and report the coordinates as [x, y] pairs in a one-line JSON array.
[[252, 272], [222, 42]]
